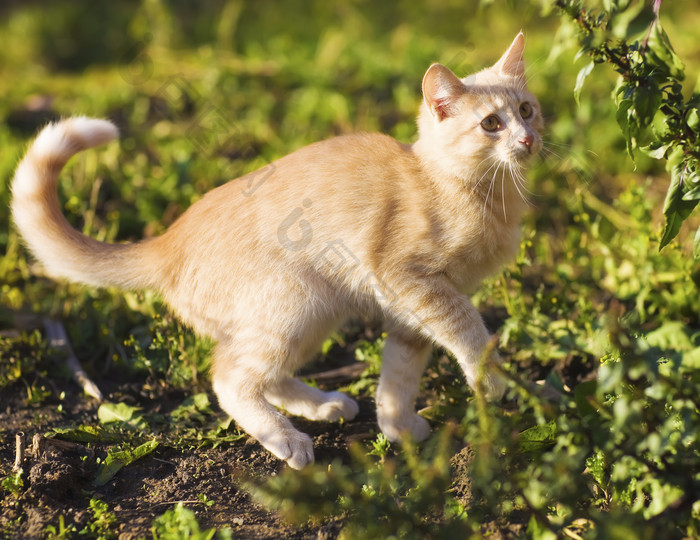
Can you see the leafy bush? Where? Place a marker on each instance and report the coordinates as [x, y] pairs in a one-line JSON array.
[[652, 111], [616, 457]]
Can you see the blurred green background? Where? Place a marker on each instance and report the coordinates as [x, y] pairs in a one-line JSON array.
[[207, 90]]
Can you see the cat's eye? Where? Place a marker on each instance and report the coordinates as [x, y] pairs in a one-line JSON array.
[[525, 110], [491, 123]]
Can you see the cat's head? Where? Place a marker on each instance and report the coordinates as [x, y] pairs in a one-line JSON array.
[[469, 125]]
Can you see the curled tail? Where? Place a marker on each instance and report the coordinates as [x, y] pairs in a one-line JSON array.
[[62, 250]]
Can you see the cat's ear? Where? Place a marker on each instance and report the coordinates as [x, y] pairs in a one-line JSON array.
[[441, 89], [511, 63]]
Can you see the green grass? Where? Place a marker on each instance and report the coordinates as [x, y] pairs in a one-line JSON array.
[[617, 456]]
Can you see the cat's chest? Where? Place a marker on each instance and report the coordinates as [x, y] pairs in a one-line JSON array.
[[481, 251]]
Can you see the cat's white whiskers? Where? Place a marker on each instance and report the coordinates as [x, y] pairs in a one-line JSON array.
[[485, 173], [488, 193], [519, 182], [493, 185], [503, 192], [549, 152], [562, 145]]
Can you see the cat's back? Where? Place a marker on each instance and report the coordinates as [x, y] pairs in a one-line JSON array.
[[367, 154], [339, 179]]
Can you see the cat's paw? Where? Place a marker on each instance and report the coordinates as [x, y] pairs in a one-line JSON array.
[[337, 406], [396, 428], [494, 386], [290, 445]]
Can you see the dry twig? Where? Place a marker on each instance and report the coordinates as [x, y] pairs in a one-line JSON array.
[[59, 340], [19, 451]]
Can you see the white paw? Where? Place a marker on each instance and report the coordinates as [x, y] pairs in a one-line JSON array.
[[494, 386], [396, 428], [337, 406], [290, 445]]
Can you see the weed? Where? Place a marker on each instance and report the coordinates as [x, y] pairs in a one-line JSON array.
[[13, 482], [62, 531], [103, 521], [180, 523]]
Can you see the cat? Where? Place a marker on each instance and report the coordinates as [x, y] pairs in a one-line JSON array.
[[269, 264]]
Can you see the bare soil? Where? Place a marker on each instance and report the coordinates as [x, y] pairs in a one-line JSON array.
[[59, 480]]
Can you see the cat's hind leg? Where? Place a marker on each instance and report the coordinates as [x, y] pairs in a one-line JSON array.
[[300, 399], [403, 363], [240, 376]]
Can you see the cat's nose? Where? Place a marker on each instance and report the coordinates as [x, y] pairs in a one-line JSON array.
[[527, 140]]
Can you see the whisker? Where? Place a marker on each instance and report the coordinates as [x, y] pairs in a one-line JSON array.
[[483, 176], [503, 194], [488, 193], [519, 182]]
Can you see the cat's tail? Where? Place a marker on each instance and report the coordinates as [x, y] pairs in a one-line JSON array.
[[62, 250]]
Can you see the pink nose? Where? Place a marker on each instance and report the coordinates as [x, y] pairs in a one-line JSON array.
[[527, 141]]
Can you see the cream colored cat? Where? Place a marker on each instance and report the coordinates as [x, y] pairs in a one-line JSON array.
[[269, 264]]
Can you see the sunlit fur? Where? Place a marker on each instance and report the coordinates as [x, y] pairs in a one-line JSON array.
[[269, 264]]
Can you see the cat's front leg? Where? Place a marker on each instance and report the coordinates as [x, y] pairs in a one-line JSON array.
[[434, 308], [404, 360]]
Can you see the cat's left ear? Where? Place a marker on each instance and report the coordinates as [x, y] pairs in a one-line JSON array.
[[511, 63]]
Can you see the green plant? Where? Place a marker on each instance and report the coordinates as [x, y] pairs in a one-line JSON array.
[[62, 531], [103, 521], [369, 352], [652, 110], [380, 447], [180, 523], [400, 497], [590, 305], [13, 482]]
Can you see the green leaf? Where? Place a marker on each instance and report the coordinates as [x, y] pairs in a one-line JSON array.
[[656, 150], [693, 193], [623, 119], [580, 78], [538, 531], [670, 335], [692, 119], [123, 413], [82, 434], [629, 20], [647, 100], [597, 468], [538, 437], [660, 53], [115, 461], [194, 407], [662, 495], [676, 210], [691, 359]]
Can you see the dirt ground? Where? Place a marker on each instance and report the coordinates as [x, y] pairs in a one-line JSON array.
[[59, 480]]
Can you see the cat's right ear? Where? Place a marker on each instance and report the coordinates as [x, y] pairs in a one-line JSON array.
[[441, 90]]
